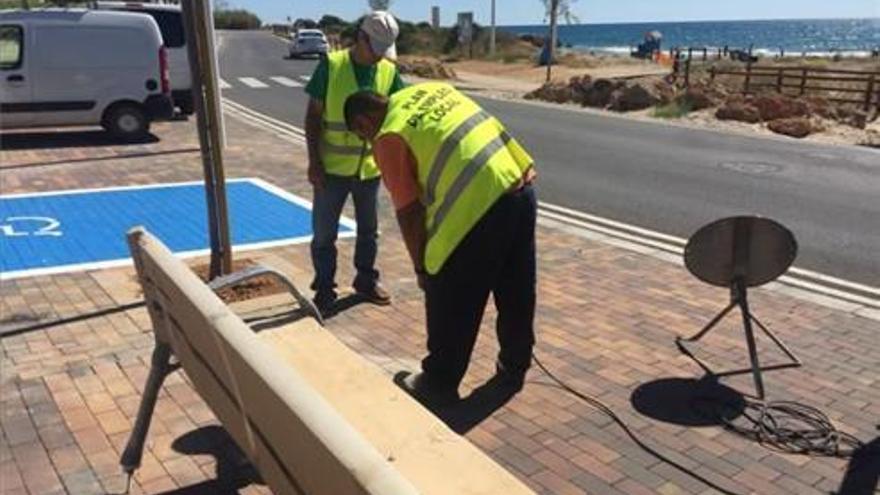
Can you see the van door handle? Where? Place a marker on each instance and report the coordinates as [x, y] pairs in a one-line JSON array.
[[15, 78]]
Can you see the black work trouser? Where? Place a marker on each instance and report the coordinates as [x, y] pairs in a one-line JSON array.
[[497, 256]]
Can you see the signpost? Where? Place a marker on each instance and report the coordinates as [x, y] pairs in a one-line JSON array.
[[199, 26], [492, 32], [466, 31]]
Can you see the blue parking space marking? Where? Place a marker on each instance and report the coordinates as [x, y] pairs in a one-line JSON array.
[[62, 231]]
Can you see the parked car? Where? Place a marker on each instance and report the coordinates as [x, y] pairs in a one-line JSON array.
[[82, 67], [170, 21], [308, 42]]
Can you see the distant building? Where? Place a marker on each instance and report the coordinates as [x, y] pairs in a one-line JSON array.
[[435, 16]]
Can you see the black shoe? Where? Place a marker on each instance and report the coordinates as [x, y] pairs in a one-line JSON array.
[[417, 386], [325, 301], [375, 294], [510, 379]]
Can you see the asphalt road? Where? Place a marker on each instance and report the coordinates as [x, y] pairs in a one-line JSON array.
[[666, 178]]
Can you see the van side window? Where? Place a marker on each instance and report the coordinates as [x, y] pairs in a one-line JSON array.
[[10, 47], [171, 26]]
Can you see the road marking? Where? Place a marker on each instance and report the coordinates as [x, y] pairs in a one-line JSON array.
[[306, 78], [223, 84], [288, 132], [285, 81], [862, 295], [253, 82]]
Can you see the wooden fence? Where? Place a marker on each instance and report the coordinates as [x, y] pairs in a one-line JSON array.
[[842, 86]]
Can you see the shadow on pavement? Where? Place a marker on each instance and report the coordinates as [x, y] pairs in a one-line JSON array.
[[71, 139], [688, 402], [343, 304], [862, 475], [469, 412], [234, 471]]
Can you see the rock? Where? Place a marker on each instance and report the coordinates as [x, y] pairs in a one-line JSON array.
[[664, 91], [821, 107], [598, 95], [777, 106], [552, 91], [632, 97], [739, 109], [697, 98], [852, 117], [797, 127]]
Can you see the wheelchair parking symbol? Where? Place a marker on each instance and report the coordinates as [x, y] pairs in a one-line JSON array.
[[25, 226]]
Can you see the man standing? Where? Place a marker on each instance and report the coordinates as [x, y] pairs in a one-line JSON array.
[[340, 163], [461, 186]]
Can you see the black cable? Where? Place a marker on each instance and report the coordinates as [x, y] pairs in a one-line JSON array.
[[793, 428], [784, 426], [604, 409]]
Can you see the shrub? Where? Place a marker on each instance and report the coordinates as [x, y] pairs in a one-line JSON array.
[[236, 19], [672, 110]]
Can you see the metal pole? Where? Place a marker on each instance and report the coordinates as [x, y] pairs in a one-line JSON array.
[[492, 32], [218, 135], [208, 122], [554, 4]]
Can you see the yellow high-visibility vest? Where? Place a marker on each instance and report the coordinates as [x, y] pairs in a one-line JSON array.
[[342, 152], [466, 161]]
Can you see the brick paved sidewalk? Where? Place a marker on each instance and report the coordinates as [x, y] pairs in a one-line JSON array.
[[606, 323]]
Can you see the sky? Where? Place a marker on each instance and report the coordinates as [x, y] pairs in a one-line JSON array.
[[514, 12]]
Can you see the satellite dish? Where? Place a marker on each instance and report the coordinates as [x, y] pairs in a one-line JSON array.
[[740, 252], [755, 250]]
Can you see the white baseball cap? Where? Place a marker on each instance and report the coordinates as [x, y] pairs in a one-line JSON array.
[[382, 29]]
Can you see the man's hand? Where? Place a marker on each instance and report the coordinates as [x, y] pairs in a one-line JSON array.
[[316, 176], [421, 278]]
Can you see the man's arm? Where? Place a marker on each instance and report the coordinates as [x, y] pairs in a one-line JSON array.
[[411, 219], [314, 125], [398, 166]]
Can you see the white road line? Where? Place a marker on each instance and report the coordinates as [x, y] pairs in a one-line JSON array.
[[223, 84], [261, 116], [286, 81], [253, 82], [306, 78]]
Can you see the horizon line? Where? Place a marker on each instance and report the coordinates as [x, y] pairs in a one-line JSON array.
[[877, 18]]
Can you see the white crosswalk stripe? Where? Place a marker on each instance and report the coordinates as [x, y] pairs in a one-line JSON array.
[[253, 82], [286, 81], [223, 84]]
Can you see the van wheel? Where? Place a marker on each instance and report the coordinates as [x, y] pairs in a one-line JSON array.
[[126, 121]]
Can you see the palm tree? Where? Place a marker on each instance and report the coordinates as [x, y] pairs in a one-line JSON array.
[[563, 10]]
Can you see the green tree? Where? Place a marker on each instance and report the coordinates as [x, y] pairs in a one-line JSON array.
[[379, 4]]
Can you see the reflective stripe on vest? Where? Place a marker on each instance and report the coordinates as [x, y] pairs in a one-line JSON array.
[[342, 152], [465, 158]]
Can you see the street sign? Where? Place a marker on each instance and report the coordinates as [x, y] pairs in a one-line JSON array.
[[63, 231], [465, 27]]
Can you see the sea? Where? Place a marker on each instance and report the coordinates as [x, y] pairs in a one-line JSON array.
[[813, 37]]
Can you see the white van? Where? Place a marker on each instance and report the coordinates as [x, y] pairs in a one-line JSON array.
[[170, 20], [80, 67]]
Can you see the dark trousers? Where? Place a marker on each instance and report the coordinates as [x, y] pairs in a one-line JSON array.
[[497, 256], [327, 209]]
